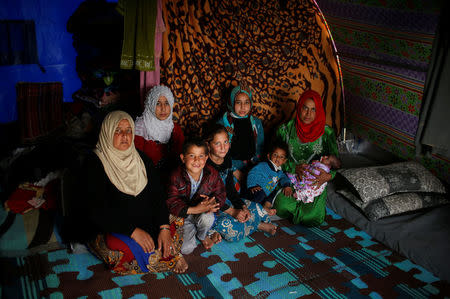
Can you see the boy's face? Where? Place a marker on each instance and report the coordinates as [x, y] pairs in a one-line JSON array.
[[278, 157], [242, 104], [194, 159]]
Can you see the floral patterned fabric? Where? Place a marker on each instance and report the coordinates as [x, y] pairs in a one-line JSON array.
[[374, 182], [232, 230], [395, 204], [113, 258]]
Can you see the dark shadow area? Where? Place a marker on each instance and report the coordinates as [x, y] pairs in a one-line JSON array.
[[97, 30]]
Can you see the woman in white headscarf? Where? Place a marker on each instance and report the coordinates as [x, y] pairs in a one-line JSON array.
[[156, 134], [125, 205]]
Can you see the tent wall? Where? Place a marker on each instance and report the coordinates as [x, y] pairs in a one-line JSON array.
[[385, 49], [54, 46], [279, 50]]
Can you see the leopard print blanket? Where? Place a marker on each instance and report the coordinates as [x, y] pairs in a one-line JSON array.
[[279, 48]]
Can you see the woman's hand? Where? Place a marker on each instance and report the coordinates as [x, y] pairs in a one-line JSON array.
[[165, 243], [300, 170], [143, 239], [287, 191], [321, 178]]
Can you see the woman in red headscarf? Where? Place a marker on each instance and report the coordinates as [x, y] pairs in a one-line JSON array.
[[309, 139]]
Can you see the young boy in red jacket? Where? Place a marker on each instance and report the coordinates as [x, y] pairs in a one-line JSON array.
[[196, 191]]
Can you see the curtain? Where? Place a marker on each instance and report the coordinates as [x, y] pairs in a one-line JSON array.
[[432, 133], [39, 107], [280, 51]]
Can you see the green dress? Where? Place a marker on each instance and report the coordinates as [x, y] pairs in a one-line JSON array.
[[310, 214]]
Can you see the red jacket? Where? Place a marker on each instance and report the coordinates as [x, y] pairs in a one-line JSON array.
[[160, 152], [179, 190]]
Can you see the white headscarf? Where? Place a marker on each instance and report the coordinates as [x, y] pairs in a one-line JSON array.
[[125, 169], [148, 125]]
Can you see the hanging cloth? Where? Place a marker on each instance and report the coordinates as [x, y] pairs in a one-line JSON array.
[[138, 34], [150, 79]]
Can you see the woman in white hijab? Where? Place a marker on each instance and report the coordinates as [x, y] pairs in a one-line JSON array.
[[125, 205], [156, 134]]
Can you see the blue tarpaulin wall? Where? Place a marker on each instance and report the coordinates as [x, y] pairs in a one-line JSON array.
[[54, 45]]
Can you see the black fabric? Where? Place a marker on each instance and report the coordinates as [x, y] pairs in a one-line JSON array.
[[243, 143], [18, 42], [225, 171], [32, 166], [44, 229], [435, 102], [102, 208]]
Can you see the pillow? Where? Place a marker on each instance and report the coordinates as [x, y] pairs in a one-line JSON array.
[[395, 204], [379, 181]]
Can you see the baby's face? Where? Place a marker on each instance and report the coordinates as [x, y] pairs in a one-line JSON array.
[[326, 160], [278, 157]]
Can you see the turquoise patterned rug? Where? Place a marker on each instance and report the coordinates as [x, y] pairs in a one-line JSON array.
[[335, 260]]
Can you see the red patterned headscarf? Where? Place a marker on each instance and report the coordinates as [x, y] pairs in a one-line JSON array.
[[309, 133]]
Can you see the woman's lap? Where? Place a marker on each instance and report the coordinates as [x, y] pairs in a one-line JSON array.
[[309, 214], [118, 255]]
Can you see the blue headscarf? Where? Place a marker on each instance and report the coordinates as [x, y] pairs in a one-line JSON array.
[[237, 90]]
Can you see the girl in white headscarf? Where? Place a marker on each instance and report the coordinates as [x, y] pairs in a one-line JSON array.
[[156, 134]]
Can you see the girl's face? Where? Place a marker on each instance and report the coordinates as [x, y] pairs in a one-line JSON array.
[[308, 112], [242, 104], [162, 110], [123, 135], [220, 145]]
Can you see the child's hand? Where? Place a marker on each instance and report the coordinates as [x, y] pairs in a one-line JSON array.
[[238, 175], [287, 191], [206, 207], [210, 204], [255, 189], [243, 215]]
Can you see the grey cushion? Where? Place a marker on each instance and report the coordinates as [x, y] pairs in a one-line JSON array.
[[379, 181], [395, 204]]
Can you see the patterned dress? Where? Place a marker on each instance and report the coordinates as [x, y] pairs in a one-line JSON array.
[[310, 214], [226, 225]]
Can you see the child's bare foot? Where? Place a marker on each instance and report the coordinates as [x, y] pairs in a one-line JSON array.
[[268, 228], [216, 237], [209, 241], [271, 212], [181, 266], [268, 207]]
